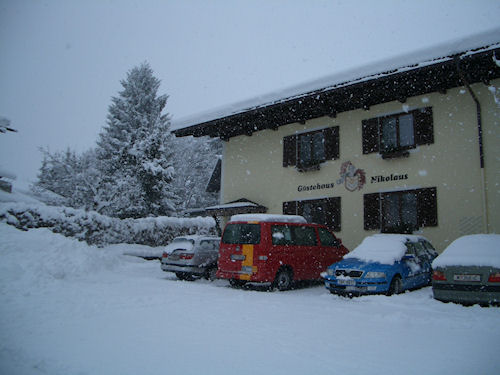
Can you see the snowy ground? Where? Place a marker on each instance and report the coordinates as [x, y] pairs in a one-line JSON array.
[[66, 308]]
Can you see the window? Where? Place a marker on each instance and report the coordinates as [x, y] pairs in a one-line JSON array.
[[306, 151], [401, 211], [241, 234], [281, 235], [326, 238], [320, 211], [393, 135], [293, 235]]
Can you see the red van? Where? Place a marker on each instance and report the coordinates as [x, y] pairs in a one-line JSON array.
[[276, 248]]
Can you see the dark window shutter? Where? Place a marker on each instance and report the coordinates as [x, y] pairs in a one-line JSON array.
[[290, 208], [424, 128], [289, 150], [427, 207], [333, 211], [371, 203], [370, 134], [331, 136]]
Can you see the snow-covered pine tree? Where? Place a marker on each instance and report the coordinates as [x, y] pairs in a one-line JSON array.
[[134, 151], [195, 161], [73, 178]]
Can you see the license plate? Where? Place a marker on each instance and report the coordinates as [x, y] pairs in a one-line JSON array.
[[346, 282], [467, 277]]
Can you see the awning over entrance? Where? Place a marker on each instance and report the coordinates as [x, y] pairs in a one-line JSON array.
[[240, 206]]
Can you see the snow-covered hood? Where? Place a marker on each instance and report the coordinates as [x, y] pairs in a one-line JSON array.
[[382, 248], [357, 264]]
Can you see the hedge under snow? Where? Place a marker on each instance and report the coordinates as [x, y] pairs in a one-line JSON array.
[[100, 230]]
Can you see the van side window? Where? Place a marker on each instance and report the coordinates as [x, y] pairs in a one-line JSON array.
[[281, 234], [244, 234], [304, 236], [326, 238]]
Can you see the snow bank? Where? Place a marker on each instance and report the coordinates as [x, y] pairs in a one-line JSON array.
[[269, 218], [382, 248], [41, 256], [102, 230], [67, 308], [473, 250]]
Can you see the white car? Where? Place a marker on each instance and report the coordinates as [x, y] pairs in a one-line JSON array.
[[191, 257]]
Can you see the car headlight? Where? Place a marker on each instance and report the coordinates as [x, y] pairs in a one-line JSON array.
[[375, 275]]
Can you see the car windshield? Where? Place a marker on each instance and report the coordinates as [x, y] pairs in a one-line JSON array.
[[241, 234]]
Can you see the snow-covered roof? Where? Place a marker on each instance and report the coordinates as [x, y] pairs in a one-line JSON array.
[[382, 248], [472, 250], [200, 124], [269, 218], [240, 206], [232, 205], [7, 174]]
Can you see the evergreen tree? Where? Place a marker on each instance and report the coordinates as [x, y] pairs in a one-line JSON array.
[[195, 160], [135, 151], [73, 178]]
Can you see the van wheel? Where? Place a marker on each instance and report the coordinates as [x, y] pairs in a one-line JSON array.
[[235, 283], [283, 280], [396, 286]]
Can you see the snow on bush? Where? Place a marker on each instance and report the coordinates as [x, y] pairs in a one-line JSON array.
[[100, 230]]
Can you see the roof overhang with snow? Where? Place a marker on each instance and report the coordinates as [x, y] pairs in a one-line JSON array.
[[419, 78], [241, 206]]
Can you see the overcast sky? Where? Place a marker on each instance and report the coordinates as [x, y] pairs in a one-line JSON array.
[[61, 61]]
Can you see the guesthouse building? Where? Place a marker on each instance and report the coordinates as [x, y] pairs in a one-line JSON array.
[[411, 145]]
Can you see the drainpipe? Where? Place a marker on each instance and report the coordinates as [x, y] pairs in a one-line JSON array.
[[480, 141]]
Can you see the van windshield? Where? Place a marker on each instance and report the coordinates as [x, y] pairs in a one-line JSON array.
[[241, 234]]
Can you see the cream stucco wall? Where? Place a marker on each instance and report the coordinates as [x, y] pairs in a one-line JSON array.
[[253, 166]]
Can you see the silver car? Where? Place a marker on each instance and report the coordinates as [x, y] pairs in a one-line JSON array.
[[468, 271], [191, 257]]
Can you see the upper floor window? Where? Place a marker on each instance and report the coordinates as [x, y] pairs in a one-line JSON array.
[[308, 150], [393, 135]]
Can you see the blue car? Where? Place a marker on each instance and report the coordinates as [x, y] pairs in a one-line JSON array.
[[382, 263]]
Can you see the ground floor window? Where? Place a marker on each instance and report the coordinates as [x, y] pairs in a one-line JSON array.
[[320, 211], [400, 211]]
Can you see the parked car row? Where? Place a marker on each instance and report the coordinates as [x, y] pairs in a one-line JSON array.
[[283, 249]]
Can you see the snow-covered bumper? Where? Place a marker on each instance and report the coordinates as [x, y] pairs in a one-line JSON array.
[[346, 285], [466, 293], [181, 268]]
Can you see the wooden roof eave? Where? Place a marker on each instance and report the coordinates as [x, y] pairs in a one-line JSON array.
[[386, 87]]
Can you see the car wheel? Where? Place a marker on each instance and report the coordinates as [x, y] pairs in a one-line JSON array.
[[283, 280], [396, 286], [237, 283], [184, 276], [211, 274]]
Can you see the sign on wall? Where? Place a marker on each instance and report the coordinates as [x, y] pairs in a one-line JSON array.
[[353, 178]]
